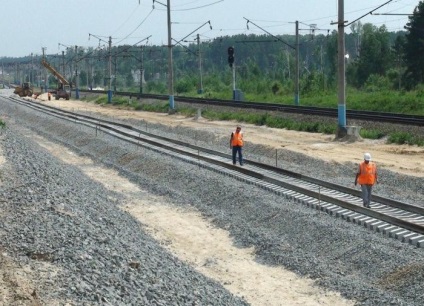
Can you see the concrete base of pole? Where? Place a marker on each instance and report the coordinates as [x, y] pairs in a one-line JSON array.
[[348, 133], [296, 99], [171, 102], [198, 114]]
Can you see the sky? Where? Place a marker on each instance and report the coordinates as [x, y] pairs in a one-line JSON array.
[[30, 25]]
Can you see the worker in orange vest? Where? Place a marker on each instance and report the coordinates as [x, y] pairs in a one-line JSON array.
[[366, 177], [236, 144]]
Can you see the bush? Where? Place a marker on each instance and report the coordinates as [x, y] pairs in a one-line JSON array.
[[371, 134], [156, 87], [184, 85], [377, 82], [276, 87], [405, 138]]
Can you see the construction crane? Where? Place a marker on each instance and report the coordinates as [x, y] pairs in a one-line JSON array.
[[63, 88]]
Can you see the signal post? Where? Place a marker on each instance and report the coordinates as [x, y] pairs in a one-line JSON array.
[[233, 67]]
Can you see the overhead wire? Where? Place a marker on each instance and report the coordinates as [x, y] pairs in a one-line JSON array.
[[129, 17], [136, 27], [193, 8]]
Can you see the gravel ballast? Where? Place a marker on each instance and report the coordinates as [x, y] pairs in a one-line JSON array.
[[73, 225]]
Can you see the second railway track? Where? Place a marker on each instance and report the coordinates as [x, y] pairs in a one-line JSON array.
[[376, 116]]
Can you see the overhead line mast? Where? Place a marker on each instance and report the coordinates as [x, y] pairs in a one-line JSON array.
[[342, 129]]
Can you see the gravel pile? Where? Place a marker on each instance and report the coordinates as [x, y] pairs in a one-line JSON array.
[[53, 209]]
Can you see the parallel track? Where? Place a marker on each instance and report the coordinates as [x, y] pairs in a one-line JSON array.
[[306, 110], [393, 218]]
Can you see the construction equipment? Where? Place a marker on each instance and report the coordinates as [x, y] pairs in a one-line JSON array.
[[63, 87], [24, 91]]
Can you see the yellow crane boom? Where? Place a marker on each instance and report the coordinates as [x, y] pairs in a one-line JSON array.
[[54, 72]]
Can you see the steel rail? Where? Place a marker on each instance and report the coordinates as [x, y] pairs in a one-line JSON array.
[[416, 120]]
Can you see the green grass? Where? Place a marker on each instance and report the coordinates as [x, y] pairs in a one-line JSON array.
[[405, 138], [371, 134]]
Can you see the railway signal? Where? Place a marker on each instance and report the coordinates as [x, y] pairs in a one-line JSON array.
[[231, 56]]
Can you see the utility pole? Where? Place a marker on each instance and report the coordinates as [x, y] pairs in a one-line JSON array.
[[343, 129], [296, 90], [200, 91], [141, 69], [17, 77], [234, 82], [87, 65], [32, 69], [45, 71], [114, 70], [170, 62], [341, 73], [76, 74], [231, 62], [63, 63], [109, 92]]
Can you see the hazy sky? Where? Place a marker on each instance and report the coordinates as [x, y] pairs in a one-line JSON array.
[[29, 25]]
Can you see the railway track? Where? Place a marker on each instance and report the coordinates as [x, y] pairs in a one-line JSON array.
[[414, 120], [395, 219]]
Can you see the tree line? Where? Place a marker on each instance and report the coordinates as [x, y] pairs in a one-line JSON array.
[[375, 59]]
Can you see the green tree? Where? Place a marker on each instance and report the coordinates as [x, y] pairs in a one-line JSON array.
[[414, 46], [375, 56], [395, 74]]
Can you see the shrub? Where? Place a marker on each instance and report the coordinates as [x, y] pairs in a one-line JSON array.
[[184, 85], [276, 87], [405, 138], [371, 134], [377, 82]]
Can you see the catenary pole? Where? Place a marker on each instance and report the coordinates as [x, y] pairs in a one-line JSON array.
[[45, 71], [109, 92], [76, 74], [296, 90], [200, 65], [141, 68], [170, 63], [341, 71]]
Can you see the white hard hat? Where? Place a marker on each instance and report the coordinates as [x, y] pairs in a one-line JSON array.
[[367, 156]]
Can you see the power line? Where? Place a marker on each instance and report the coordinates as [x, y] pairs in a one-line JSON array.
[[136, 27]]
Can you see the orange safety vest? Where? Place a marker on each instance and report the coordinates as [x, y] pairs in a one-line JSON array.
[[367, 173], [237, 139]]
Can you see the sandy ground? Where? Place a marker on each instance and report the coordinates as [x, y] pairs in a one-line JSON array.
[[210, 250]]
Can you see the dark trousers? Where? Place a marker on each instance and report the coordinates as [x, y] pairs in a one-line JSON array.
[[366, 194], [237, 149]]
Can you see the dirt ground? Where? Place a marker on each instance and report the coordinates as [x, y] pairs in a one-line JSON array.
[[210, 250]]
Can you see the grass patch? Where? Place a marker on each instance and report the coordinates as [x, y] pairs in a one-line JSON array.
[[158, 108], [371, 134], [272, 121], [405, 138]]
